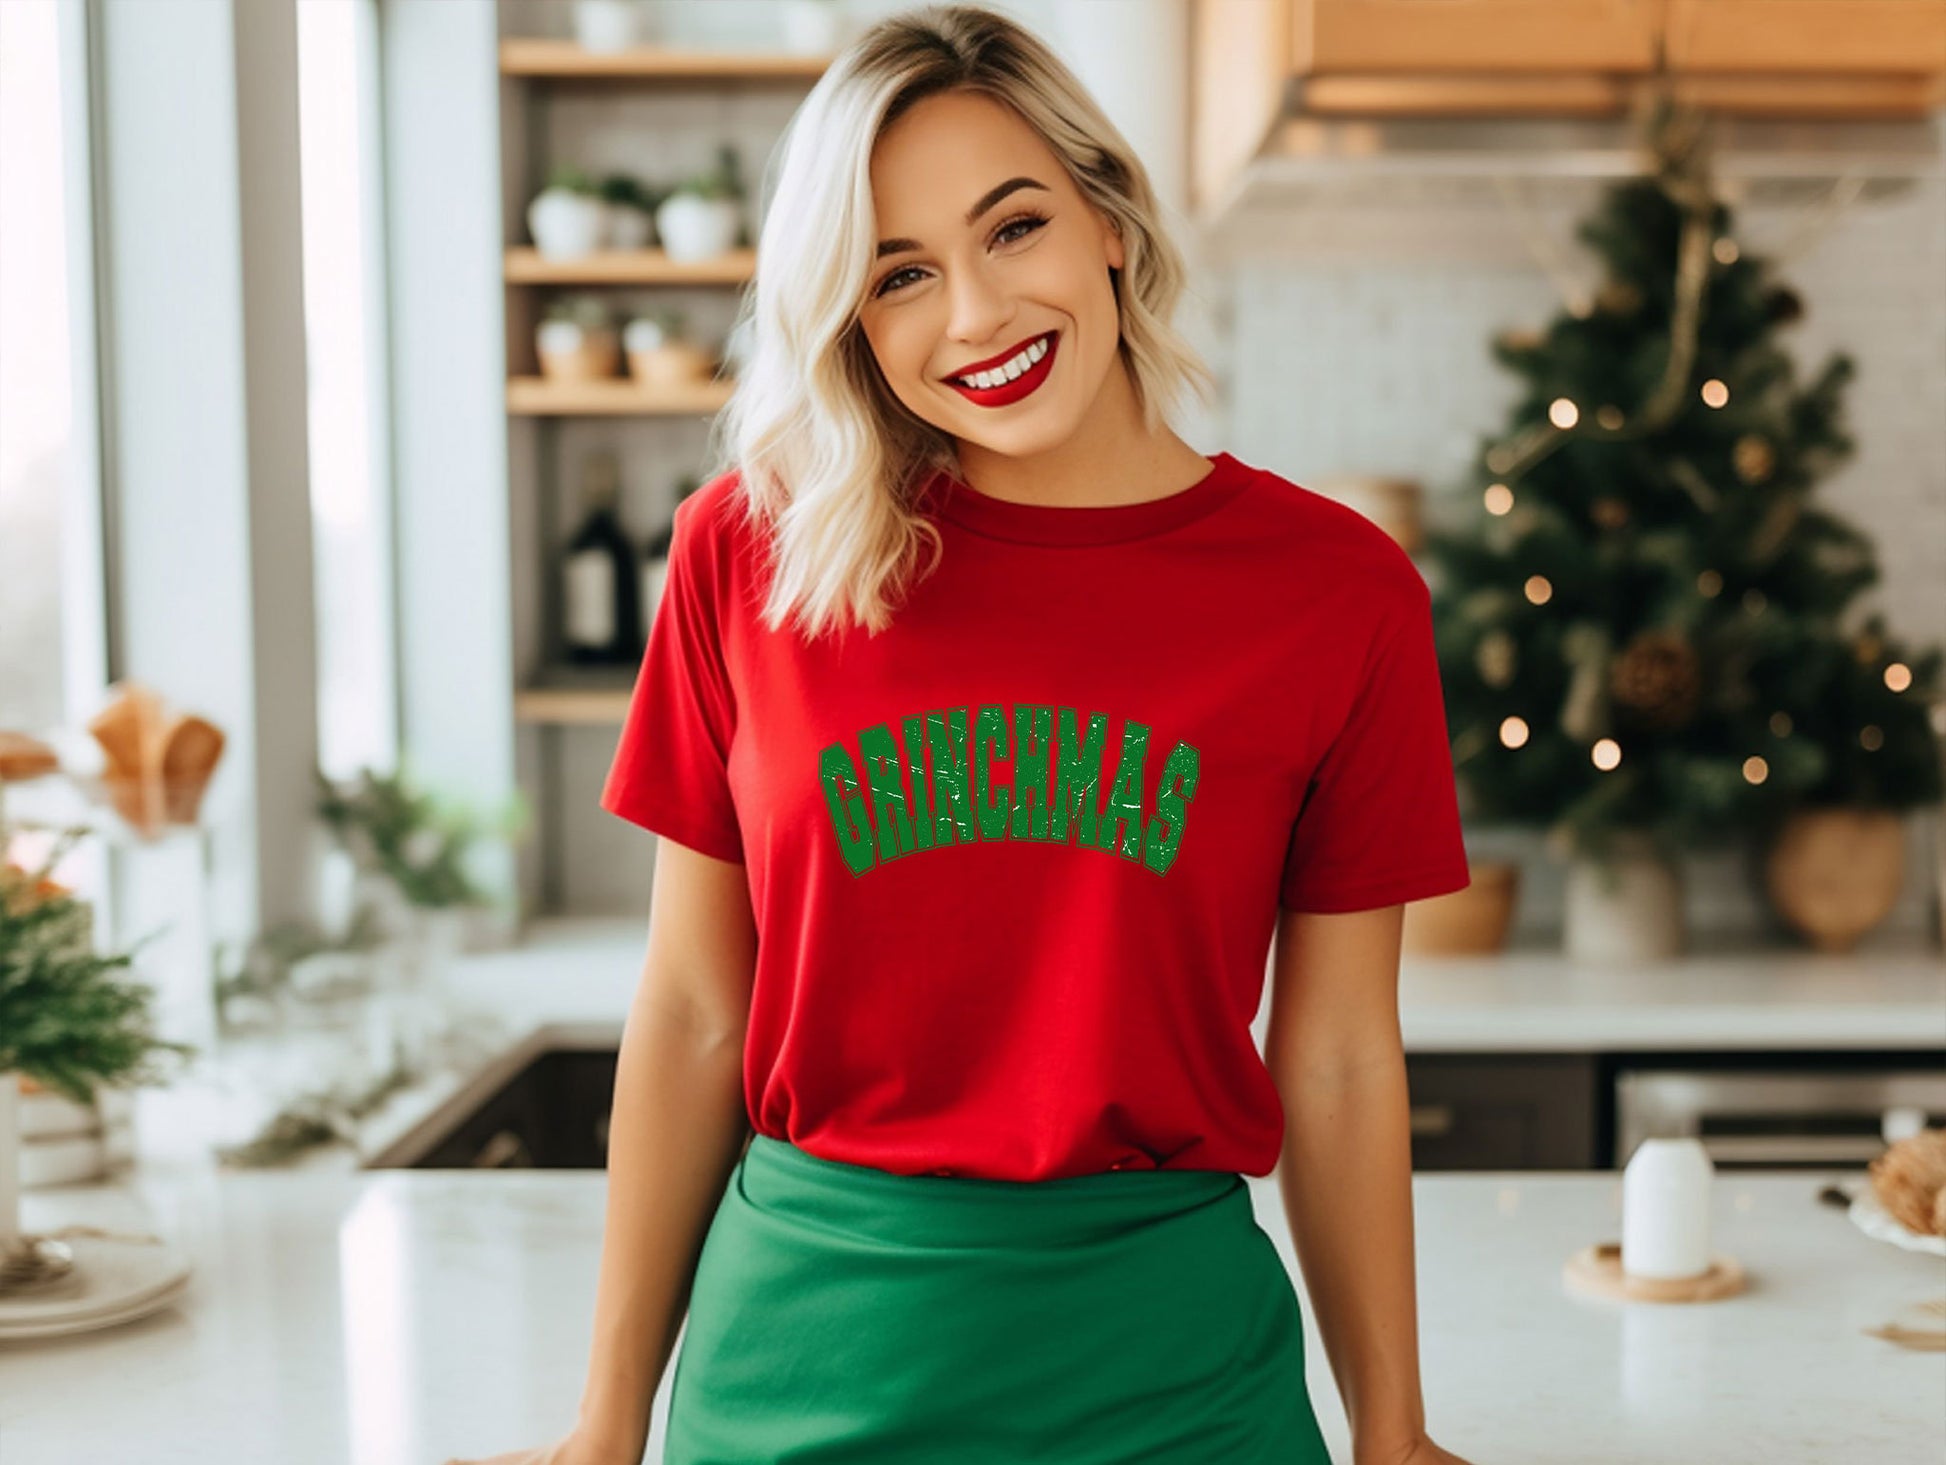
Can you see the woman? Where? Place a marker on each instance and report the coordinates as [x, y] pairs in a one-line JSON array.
[[992, 733]]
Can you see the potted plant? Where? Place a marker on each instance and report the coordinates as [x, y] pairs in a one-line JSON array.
[[569, 217], [410, 850], [607, 26], [576, 340], [68, 1025], [703, 216], [660, 355], [631, 212]]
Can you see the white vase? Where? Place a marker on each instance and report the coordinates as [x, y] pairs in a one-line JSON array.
[[695, 228], [810, 27], [566, 224], [9, 1155], [607, 25], [1625, 908]]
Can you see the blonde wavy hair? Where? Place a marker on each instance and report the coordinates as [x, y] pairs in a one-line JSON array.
[[831, 462]]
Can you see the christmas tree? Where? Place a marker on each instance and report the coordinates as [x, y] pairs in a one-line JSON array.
[[1644, 632]]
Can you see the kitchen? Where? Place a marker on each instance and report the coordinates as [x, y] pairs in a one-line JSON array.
[[396, 219]]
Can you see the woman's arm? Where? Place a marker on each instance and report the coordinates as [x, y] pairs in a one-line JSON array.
[[1345, 1173], [676, 1131]]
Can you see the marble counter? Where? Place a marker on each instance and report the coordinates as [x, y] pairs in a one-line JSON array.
[[399, 1317]]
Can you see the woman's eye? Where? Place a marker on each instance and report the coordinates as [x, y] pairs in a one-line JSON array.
[[1028, 223], [1032, 221]]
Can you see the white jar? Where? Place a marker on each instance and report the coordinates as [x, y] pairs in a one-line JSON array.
[[1666, 1209], [607, 26]]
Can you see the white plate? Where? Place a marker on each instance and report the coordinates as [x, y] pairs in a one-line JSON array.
[[109, 1278], [1874, 1220], [53, 1327]]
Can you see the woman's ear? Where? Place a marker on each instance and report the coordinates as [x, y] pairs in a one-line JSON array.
[[1116, 259]]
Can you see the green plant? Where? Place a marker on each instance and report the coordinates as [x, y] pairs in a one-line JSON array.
[[625, 188], [590, 312], [722, 181], [412, 838], [575, 180], [66, 1021]]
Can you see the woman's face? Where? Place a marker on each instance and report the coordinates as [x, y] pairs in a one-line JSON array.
[[987, 250]]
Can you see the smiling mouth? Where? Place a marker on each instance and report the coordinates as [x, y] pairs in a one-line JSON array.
[[1044, 342]]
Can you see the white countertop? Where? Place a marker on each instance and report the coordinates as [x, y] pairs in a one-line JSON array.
[[399, 1317]]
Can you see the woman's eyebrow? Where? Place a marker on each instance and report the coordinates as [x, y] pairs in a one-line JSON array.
[[986, 201]]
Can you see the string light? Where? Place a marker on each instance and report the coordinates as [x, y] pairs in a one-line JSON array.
[[1871, 737], [1538, 590], [1780, 724], [1709, 584], [1563, 413], [1754, 600], [1725, 250], [1499, 498], [1715, 394], [1898, 676], [1606, 754], [1755, 770], [1513, 732]]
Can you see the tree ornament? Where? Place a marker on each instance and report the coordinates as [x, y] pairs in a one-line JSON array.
[[1497, 659], [1584, 711], [1618, 297], [1753, 457], [1658, 679], [1784, 305], [1609, 512]]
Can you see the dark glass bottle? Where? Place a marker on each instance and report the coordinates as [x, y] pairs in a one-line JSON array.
[[655, 559], [601, 623]]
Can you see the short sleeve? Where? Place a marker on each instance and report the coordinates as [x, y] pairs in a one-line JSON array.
[[670, 772], [1379, 823]]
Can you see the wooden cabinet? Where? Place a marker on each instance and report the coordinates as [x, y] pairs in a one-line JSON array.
[[1256, 62]]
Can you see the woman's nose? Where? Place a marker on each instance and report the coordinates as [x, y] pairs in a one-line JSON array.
[[978, 309]]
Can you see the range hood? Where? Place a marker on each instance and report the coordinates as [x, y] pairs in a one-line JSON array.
[[1312, 169]]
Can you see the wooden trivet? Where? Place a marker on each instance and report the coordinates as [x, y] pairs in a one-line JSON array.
[[1596, 1271]]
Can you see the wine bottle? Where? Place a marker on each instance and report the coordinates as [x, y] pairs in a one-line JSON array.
[[655, 559], [601, 624]]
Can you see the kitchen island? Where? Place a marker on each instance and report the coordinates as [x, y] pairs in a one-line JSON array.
[[345, 1317]]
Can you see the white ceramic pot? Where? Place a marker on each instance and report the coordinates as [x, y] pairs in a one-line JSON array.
[[1627, 908], [810, 27], [629, 227], [695, 228], [566, 224], [607, 25], [569, 351]]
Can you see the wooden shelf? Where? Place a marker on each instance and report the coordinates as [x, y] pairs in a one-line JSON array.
[[545, 58], [528, 266], [572, 706], [539, 396]]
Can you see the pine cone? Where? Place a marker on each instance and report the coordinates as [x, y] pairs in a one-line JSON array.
[[1657, 679], [1909, 1180]]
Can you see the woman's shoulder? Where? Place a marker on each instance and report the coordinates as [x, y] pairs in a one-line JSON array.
[[1327, 535]]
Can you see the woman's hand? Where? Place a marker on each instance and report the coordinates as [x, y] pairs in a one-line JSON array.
[[576, 1449]]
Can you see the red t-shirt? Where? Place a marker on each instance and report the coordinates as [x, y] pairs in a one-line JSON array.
[[1016, 861]]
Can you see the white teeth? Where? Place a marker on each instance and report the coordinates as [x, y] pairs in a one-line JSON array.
[[1010, 370]]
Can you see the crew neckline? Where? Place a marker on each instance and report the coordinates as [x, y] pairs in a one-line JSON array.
[[1052, 524]]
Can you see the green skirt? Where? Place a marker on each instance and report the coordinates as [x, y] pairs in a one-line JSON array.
[[844, 1313]]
